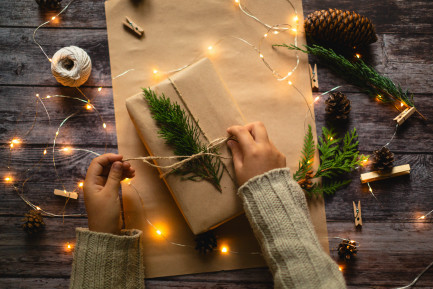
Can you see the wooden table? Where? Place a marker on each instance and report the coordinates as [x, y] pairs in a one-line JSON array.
[[394, 246]]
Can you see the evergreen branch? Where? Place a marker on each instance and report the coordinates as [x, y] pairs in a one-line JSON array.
[[360, 74], [338, 156], [306, 162], [181, 133]]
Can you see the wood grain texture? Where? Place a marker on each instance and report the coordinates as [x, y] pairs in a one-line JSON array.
[[394, 245]]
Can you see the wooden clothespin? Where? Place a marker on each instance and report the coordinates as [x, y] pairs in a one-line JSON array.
[[378, 175], [72, 195], [405, 114], [134, 27], [357, 214], [314, 78]]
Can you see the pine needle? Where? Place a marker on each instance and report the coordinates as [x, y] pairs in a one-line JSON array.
[[361, 75], [181, 133], [338, 156]]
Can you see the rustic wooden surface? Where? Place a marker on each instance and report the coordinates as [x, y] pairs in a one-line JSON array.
[[395, 247]]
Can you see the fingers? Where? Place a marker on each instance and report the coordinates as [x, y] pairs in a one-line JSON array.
[[258, 131], [115, 176], [236, 153], [98, 165], [243, 136]]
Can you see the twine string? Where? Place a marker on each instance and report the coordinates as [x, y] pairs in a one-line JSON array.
[[185, 159]]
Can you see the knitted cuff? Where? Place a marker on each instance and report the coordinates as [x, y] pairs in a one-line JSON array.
[[277, 181], [104, 260]]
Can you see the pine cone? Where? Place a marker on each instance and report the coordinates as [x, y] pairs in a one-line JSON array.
[[49, 4], [306, 183], [33, 222], [338, 106], [383, 159], [205, 242], [347, 249], [340, 28]]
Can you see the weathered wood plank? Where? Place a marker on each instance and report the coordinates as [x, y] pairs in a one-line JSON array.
[[404, 59], [373, 120], [401, 16], [401, 199], [28, 66], [390, 254], [17, 114], [87, 14], [386, 255]]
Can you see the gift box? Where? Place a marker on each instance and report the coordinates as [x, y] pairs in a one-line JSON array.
[[201, 93]]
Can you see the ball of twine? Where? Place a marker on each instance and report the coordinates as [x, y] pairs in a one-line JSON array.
[[71, 66]]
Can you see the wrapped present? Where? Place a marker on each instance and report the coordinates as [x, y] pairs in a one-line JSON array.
[[200, 92]]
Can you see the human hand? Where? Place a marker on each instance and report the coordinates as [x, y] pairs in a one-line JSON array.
[[101, 192], [253, 153]]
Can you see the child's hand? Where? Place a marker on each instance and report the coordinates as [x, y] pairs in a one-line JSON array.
[[101, 192], [253, 154]]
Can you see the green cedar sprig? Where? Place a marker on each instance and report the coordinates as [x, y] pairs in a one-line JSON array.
[[181, 133], [358, 73], [338, 156]]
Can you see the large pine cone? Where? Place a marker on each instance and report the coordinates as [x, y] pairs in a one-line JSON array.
[[33, 222], [338, 106], [383, 159], [336, 28], [49, 4]]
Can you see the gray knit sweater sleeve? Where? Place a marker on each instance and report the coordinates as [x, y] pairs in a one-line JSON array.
[[107, 261], [277, 210]]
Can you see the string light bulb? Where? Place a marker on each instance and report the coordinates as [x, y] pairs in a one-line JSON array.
[[159, 232], [401, 104], [316, 99], [99, 89], [266, 35], [290, 83], [357, 55], [224, 249], [104, 125], [8, 179], [296, 18], [66, 149], [210, 47], [53, 18], [38, 208], [80, 184], [340, 268], [261, 55], [155, 71], [88, 107], [45, 152], [421, 218]]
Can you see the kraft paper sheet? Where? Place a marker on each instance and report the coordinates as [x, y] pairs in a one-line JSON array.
[[178, 33]]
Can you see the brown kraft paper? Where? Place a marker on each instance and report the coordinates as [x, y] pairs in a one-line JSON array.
[[177, 34]]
